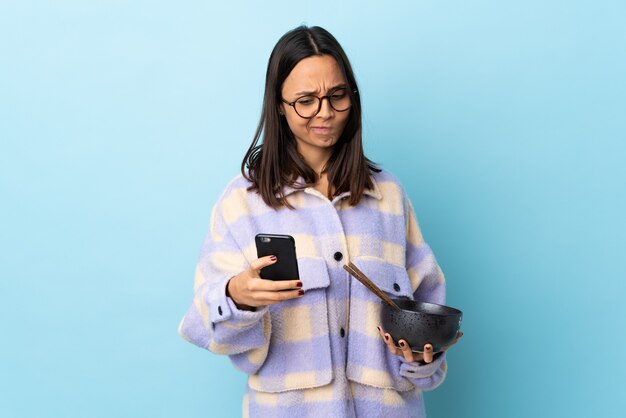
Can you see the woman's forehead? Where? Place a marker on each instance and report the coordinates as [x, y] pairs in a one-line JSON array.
[[314, 74]]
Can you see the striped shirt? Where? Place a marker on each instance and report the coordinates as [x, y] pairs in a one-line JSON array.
[[321, 353]]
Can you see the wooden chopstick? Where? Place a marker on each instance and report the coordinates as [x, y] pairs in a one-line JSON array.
[[360, 276], [366, 280]]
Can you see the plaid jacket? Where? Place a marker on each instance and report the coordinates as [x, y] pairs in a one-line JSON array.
[[324, 344]]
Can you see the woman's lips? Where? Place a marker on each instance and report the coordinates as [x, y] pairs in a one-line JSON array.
[[320, 130]]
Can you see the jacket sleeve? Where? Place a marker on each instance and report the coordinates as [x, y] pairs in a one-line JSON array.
[[213, 321], [428, 284]]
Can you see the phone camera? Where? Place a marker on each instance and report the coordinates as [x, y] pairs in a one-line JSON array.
[[266, 239]]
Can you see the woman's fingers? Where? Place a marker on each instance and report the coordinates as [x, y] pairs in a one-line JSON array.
[[269, 285], [247, 289], [259, 263], [428, 353], [276, 285], [272, 298], [391, 344], [381, 331], [406, 351], [256, 284]]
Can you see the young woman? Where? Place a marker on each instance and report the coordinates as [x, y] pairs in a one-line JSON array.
[[314, 347]]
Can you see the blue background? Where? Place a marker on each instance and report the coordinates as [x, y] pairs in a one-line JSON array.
[[121, 122]]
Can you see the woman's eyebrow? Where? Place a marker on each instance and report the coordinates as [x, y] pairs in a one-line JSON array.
[[306, 93]]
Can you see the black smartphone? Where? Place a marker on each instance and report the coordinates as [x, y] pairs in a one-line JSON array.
[[284, 248]]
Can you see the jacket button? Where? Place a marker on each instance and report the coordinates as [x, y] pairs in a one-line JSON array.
[[338, 256], [219, 310], [342, 332], [396, 287]]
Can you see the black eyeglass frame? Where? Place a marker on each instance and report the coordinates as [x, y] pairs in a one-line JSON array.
[[319, 103]]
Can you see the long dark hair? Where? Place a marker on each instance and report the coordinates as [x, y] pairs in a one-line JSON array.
[[276, 162]]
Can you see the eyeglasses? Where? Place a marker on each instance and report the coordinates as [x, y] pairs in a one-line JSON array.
[[308, 106]]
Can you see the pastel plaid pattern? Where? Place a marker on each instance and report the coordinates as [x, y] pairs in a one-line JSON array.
[[322, 351]]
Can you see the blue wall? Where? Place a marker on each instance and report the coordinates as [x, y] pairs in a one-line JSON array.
[[121, 123]]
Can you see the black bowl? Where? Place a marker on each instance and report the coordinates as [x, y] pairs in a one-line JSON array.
[[420, 323]]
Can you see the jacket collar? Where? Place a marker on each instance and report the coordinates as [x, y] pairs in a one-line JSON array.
[[374, 192]]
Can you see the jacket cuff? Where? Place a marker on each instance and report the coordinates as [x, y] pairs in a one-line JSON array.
[[223, 308], [419, 370]]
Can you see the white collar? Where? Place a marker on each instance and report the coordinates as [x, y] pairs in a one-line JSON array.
[[374, 192]]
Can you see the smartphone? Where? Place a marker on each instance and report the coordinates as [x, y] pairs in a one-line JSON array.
[[284, 248]]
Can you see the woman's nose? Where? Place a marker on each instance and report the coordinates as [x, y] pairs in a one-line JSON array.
[[326, 110]]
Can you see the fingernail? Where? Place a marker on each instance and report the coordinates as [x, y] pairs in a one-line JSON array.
[[402, 344], [378, 328], [273, 258], [299, 284], [301, 292], [386, 337]]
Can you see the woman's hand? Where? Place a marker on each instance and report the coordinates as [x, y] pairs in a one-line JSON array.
[[248, 290], [407, 352]]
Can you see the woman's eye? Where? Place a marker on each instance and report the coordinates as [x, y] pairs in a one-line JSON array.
[[338, 94], [306, 102]]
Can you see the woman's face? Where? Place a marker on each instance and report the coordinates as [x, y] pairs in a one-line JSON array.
[[318, 76]]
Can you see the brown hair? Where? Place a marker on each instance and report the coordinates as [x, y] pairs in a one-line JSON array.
[[276, 163]]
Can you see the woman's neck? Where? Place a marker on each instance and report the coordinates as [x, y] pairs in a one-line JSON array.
[[315, 158]]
